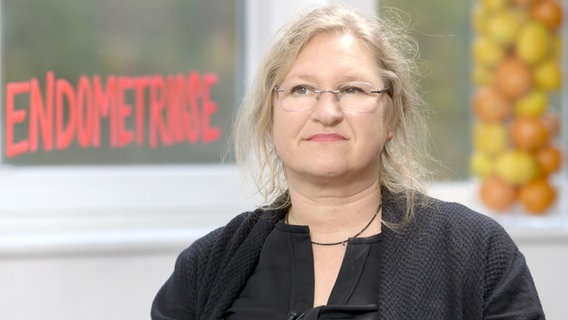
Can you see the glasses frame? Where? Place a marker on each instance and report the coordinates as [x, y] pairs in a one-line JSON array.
[[317, 93]]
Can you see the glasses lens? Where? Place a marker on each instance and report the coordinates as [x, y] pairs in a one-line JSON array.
[[297, 97], [351, 96], [357, 97]]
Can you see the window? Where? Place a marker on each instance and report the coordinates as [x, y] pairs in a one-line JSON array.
[[69, 176], [81, 195], [118, 82]]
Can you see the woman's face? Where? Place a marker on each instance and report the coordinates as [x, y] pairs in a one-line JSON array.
[[328, 143]]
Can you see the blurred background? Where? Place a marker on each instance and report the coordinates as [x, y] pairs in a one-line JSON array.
[[116, 117]]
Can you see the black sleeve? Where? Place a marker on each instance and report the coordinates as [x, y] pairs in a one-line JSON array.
[[173, 300], [510, 290], [193, 289]]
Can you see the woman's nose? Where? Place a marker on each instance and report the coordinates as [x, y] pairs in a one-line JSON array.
[[327, 110]]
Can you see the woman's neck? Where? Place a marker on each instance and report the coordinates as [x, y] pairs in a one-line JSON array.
[[335, 214]]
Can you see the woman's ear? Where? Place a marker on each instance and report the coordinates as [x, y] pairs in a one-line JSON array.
[[389, 136]]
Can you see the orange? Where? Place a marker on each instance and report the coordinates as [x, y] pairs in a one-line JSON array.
[[536, 197], [490, 105], [528, 133], [552, 123], [513, 77], [497, 194], [549, 159], [548, 12]]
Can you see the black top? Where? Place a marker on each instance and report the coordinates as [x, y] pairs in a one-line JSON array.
[[449, 262], [282, 285]]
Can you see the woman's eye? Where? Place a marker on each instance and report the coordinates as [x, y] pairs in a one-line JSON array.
[[300, 90], [352, 90]]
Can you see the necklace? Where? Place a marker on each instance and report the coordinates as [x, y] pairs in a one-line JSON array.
[[344, 242]]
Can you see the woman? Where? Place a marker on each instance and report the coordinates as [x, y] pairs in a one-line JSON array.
[[333, 123]]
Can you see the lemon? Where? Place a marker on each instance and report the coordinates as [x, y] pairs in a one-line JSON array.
[[494, 4], [482, 75], [490, 137], [534, 43], [531, 105], [486, 52], [503, 26], [516, 167], [556, 47], [548, 75], [480, 164], [479, 16]]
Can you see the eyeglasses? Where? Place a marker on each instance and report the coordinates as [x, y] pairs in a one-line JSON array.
[[351, 96]]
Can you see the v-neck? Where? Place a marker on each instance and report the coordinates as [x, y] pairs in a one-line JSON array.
[[283, 282]]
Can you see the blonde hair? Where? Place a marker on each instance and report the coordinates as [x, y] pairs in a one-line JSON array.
[[395, 53]]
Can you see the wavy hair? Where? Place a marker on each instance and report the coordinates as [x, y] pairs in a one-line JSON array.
[[396, 54]]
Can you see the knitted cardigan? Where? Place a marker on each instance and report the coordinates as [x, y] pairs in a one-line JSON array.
[[449, 263]]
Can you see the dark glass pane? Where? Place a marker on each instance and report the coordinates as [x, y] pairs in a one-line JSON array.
[[442, 29], [118, 81]]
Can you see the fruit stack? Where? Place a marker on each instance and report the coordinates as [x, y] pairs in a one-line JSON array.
[[517, 75]]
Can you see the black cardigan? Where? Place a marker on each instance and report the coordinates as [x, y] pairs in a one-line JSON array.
[[449, 263]]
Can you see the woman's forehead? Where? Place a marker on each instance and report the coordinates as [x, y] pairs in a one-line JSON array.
[[334, 53]]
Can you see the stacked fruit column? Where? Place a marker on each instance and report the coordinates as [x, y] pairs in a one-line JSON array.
[[517, 72]]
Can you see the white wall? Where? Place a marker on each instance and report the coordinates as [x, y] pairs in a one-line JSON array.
[[86, 287], [548, 261]]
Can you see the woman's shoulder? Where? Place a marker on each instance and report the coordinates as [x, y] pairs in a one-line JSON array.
[[430, 212], [463, 227], [456, 214], [233, 233], [450, 223], [454, 233]]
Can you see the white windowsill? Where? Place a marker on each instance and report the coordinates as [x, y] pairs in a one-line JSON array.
[[141, 210]]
